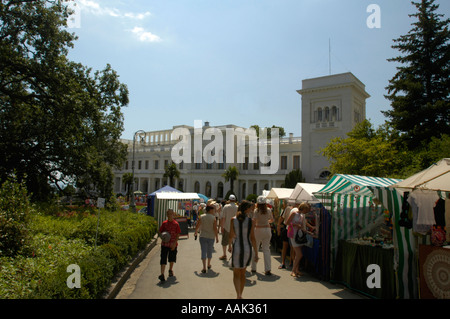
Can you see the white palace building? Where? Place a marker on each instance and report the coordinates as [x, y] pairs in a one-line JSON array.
[[331, 107]]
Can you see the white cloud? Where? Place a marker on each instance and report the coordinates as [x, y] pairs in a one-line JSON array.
[[139, 16], [145, 36], [95, 8]]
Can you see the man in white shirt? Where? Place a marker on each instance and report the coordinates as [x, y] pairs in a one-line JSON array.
[[228, 212]]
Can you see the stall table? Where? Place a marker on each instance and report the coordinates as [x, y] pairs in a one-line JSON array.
[[351, 268]]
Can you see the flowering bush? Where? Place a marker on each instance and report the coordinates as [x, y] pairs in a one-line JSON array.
[[59, 238]]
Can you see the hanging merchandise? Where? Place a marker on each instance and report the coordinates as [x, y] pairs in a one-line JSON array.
[[438, 233], [425, 201], [447, 217], [405, 220]]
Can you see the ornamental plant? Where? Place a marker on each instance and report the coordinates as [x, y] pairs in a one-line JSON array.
[[14, 217]]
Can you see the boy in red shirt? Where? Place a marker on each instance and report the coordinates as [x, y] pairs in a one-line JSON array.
[[169, 249]]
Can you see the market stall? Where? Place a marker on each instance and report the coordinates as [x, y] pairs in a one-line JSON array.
[[167, 197], [280, 197], [423, 219], [317, 257], [279, 193], [357, 218]]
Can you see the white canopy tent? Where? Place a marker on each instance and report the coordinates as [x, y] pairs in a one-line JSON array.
[[436, 177], [433, 181], [303, 192], [280, 193], [177, 196], [166, 198]]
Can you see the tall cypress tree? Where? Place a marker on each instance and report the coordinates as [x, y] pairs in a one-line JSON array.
[[420, 91]]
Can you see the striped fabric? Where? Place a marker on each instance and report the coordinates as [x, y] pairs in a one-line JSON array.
[[404, 243], [354, 184], [349, 199], [161, 207]]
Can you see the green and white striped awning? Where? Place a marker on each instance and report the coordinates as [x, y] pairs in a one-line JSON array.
[[354, 184], [349, 199]]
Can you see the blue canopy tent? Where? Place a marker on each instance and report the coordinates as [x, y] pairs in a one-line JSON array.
[[205, 198], [168, 197], [152, 198]]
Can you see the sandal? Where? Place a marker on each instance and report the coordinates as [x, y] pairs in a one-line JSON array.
[[203, 271], [223, 258], [282, 266], [170, 273]]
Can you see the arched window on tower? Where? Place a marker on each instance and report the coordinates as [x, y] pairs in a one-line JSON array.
[[319, 114]]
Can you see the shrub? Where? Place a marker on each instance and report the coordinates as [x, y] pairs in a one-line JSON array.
[[59, 240], [14, 217]]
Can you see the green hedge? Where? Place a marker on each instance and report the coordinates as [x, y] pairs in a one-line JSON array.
[[58, 240]]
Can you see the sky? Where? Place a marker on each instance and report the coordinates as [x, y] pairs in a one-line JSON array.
[[237, 61]]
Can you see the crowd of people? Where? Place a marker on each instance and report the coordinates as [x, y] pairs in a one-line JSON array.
[[244, 227]]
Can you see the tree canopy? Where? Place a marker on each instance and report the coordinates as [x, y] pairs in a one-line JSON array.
[[420, 90], [377, 152], [292, 178], [417, 132], [60, 121], [171, 171], [231, 174], [365, 151]]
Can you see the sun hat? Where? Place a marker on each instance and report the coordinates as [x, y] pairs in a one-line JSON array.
[[261, 200]]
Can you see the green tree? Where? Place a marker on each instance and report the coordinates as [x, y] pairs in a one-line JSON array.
[[281, 131], [292, 178], [420, 90], [127, 179], [437, 149], [366, 151], [59, 120], [231, 174], [172, 172]]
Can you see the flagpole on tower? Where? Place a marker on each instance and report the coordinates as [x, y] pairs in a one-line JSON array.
[[329, 55]]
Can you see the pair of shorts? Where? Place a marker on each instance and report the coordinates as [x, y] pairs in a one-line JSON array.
[[167, 253], [225, 238], [294, 244]]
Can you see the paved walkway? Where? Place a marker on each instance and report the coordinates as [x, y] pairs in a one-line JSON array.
[[189, 283]]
